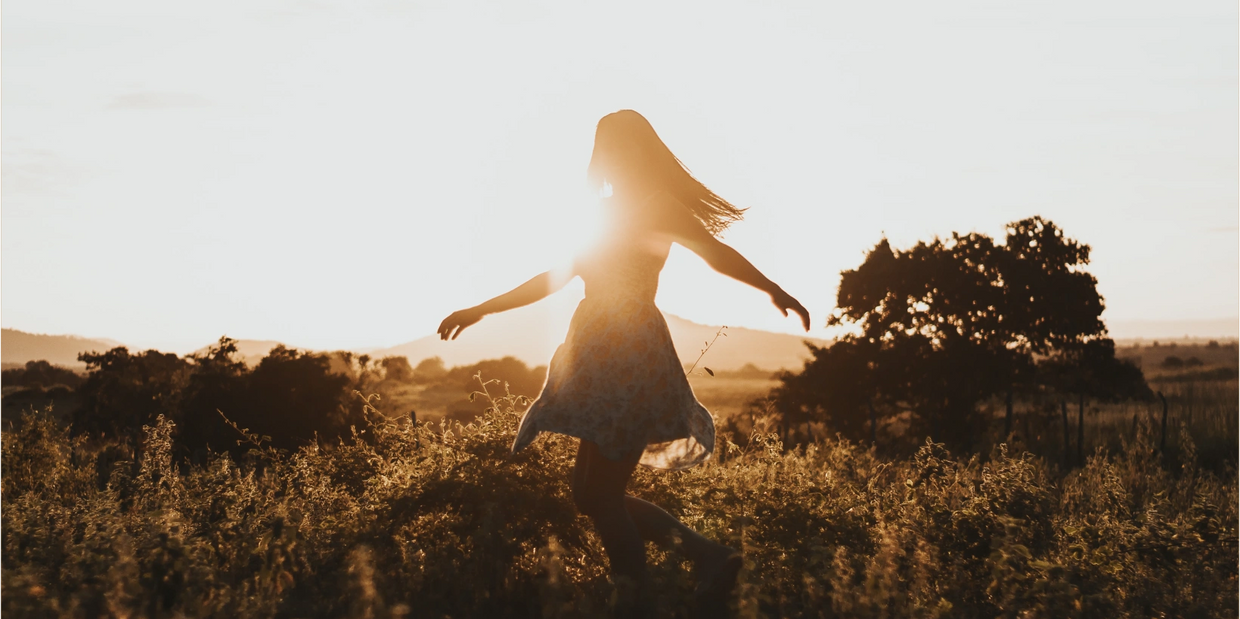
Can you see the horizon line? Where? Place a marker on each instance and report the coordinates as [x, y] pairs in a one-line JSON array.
[[363, 349]]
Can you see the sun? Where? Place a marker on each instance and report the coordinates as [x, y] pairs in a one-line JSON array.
[[582, 228]]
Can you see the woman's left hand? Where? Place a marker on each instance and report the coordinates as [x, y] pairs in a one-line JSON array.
[[785, 302]]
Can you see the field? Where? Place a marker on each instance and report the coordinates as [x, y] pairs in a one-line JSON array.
[[727, 394], [428, 515], [1204, 399], [436, 520]]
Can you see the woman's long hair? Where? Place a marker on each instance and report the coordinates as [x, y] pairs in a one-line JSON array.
[[627, 147]]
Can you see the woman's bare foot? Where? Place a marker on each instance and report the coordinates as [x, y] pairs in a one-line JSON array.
[[716, 580]]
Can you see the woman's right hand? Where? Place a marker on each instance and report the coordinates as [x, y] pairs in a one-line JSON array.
[[456, 322], [785, 302]]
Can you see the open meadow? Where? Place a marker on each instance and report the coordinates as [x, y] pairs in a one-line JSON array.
[[437, 519]]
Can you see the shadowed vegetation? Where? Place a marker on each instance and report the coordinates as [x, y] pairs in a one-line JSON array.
[[432, 520]]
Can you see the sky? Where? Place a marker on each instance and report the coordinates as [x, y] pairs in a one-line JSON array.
[[345, 174]]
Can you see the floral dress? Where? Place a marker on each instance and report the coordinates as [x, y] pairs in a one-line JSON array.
[[616, 380]]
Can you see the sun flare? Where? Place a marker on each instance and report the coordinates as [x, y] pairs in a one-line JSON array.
[[582, 229]]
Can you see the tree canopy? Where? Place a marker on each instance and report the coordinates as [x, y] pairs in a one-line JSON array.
[[945, 324]]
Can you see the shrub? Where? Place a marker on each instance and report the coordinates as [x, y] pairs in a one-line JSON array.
[[123, 391]]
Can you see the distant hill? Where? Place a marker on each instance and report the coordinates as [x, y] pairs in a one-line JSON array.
[[18, 347], [1174, 330], [532, 334], [740, 347], [1151, 358]]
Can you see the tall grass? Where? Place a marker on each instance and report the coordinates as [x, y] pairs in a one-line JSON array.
[[1208, 411], [438, 520]]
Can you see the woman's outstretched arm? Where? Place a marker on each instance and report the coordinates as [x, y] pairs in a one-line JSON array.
[[537, 288], [685, 229]]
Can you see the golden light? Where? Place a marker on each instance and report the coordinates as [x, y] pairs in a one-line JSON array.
[[261, 142], [583, 230]]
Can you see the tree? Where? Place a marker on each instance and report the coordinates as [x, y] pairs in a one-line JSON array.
[[294, 397], [1050, 301], [943, 325], [397, 368], [835, 387], [429, 369], [123, 391], [216, 387], [453, 384], [41, 374]]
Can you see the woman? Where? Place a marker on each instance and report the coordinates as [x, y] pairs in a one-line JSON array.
[[616, 382]]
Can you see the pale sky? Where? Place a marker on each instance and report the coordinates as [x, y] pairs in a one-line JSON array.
[[344, 174]]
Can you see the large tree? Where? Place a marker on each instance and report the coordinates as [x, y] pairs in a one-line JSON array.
[[945, 324]]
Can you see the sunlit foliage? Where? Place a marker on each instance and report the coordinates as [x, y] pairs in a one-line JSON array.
[[434, 520]]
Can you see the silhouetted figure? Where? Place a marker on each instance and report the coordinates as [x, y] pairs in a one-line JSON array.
[[616, 382]]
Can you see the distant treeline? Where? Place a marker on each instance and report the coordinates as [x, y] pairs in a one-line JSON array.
[[288, 399], [40, 374]]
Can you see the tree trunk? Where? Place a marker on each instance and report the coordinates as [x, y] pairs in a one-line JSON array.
[[1080, 431], [1007, 420], [1067, 438]]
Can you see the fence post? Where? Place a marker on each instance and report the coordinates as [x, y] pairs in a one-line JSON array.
[[1067, 438], [873, 426], [1080, 431], [1007, 420], [1191, 389], [1162, 441]]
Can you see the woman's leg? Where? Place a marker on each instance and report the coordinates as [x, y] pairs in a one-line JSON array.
[[623, 521], [717, 566], [656, 525], [598, 491]]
